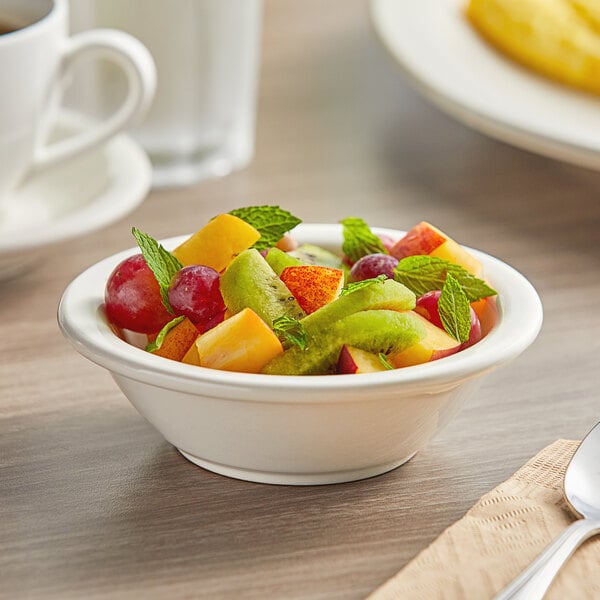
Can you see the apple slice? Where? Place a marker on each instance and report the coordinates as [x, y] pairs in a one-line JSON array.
[[287, 243], [243, 343], [313, 286], [424, 238], [354, 360], [217, 243], [178, 340], [435, 345]]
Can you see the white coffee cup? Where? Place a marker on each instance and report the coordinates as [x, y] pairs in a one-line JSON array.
[[36, 56]]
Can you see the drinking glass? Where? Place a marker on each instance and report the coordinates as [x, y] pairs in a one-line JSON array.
[[207, 54]]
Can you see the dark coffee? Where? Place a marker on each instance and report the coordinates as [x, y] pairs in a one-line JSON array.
[[7, 27]]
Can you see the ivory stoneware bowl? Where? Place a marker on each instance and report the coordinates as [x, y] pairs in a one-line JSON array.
[[298, 430]]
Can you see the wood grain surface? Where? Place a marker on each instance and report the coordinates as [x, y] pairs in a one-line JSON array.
[[93, 502]]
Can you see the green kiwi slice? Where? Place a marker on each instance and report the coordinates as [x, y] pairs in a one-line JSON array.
[[249, 282], [376, 331], [278, 260], [311, 254], [388, 294]]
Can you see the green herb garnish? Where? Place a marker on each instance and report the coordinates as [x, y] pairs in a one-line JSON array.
[[161, 262], [384, 361], [290, 330], [423, 274], [359, 240], [454, 309], [160, 338], [356, 285], [272, 222]]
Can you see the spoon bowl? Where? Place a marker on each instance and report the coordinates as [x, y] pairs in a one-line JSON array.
[[582, 493], [582, 479]]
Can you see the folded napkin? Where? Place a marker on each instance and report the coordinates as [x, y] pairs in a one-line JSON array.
[[507, 528]]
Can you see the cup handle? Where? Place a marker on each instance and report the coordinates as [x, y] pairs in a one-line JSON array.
[[138, 66]]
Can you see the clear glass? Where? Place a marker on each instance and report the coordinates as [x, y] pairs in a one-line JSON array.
[[207, 53]]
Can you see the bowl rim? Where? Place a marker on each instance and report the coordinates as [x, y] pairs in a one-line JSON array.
[[81, 320]]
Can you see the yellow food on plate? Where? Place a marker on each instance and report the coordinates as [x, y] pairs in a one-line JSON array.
[[590, 10], [557, 38]]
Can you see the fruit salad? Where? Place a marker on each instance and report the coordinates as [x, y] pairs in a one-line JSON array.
[[241, 294]]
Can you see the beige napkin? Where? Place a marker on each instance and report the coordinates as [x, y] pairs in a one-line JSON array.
[[507, 528]]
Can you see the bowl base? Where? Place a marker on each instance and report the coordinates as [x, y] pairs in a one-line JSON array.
[[278, 478]]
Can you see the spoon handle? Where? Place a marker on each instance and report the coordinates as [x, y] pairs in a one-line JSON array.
[[533, 582]]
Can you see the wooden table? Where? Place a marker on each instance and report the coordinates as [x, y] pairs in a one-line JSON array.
[[93, 502]]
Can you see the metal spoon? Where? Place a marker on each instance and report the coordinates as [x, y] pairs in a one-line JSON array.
[[582, 493]]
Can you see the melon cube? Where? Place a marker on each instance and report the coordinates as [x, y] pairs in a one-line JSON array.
[[217, 243], [178, 341], [244, 342]]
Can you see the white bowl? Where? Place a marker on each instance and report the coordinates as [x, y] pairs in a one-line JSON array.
[[298, 430]]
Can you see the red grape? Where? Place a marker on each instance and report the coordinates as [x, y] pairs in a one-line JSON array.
[[195, 293], [372, 265], [475, 334], [427, 306], [132, 297], [204, 327]]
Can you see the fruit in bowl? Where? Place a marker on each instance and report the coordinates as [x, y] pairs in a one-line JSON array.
[[254, 414], [216, 301]]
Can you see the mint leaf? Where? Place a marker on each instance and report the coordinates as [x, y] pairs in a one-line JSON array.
[[271, 221], [422, 274], [454, 309], [356, 285], [384, 361], [291, 330], [359, 240], [161, 262], [160, 338]]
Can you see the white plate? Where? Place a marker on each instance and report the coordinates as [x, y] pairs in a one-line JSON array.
[[451, 65], [83, 195]]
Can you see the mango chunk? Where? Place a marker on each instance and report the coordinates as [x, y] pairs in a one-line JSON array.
[[178, 341], [191, 356], [217, 243], [486, 310], [243, 343]]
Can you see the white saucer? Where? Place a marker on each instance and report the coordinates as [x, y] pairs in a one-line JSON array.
[[451, 65], [70, 200]]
